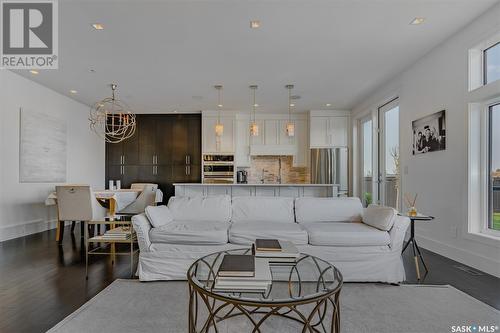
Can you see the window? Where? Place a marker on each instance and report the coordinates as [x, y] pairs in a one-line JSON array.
[[391, 141], [494, 167], [484, 172], [484, 62], [491, 65], [367, 161], [367, 149]]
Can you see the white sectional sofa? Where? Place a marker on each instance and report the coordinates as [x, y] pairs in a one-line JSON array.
[[329, 228]]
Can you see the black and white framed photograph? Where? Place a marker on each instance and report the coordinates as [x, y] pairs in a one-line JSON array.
[[429, 133]]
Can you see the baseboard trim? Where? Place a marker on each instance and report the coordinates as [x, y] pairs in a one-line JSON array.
[[26, 228], [476, 261]]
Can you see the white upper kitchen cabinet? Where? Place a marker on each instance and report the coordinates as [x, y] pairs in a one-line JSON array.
[[272, 139], [319, 130], [329, 129], [242, 141], [301, 140], [210, 142]]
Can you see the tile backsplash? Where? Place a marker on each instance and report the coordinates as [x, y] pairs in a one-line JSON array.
[[271, 165]]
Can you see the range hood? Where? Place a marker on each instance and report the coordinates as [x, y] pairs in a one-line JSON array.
[[273, 150]]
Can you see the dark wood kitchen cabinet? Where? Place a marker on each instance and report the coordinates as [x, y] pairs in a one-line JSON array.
[[164, 150]]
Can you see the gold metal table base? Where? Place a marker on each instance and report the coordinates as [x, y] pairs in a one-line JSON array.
[[217, 311]]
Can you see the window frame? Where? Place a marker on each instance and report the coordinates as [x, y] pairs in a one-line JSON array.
[[485, 63], [488, 108], [477, 227], [477, 68]]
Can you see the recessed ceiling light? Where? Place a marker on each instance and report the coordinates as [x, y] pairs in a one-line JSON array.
[[73, 91], [34, 71], [220, 105], [255, 24], [291, 104], [328, 104], [98, 26], [417, 21], [256, 105]]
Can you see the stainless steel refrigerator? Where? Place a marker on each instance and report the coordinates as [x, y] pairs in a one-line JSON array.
[[331, 166]]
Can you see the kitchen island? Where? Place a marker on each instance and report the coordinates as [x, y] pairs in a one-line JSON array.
[[266, 189]]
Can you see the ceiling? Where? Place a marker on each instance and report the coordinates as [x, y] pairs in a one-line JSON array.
[[168, 55]]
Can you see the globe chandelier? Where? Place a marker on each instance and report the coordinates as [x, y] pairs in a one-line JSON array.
[[112, 119]]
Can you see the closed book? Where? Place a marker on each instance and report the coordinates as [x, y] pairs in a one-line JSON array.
[[242, 284], [289, 250], [237, 265], [117, 235], [267, 245], [262, 275], [120, 230], [242, 289]]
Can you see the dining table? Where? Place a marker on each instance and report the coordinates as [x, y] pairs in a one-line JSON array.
[[114, 200]]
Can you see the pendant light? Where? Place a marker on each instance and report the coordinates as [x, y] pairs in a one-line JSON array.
[[290, 126], [112, 119], [254, 128], [219, 128]]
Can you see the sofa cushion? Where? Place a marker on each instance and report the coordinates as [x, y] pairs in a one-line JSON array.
[[191, 232], [247, 233], [328, 210], [345, 234], [380, 217], [158, 215], [262, 209], [212, 208]]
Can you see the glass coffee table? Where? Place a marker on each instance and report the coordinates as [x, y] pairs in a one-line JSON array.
[[306, 292]]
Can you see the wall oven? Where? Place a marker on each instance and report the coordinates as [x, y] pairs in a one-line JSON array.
[[218, 169]]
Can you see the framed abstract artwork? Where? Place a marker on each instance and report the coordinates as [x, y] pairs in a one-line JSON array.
[[42, 148]]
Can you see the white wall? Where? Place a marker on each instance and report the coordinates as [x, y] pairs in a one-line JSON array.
[[22, 209], [439, 81]]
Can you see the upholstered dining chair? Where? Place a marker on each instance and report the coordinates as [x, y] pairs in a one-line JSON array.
[[77, 203], [146, 198]]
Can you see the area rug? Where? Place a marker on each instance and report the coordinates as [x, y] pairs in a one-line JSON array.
[[133, 306]]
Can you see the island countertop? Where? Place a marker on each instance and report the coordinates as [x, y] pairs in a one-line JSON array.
[[257, 189], [259, 184]]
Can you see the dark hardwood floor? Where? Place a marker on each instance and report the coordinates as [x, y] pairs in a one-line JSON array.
[[41, 282], [484, 287]]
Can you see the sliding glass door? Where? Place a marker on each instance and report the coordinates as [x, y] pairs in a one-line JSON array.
[[367, 161], [388, 155]]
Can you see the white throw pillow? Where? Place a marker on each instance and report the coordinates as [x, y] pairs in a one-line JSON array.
[[158, 215], [380, 217]]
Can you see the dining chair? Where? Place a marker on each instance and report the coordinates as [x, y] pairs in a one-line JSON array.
[[77, 203], [146, 198]]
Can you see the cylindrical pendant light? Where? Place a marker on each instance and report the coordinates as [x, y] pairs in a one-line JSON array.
[[219, 128], [290, 126], [254, 128]]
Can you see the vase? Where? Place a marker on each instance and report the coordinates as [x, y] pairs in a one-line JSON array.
[[412, 211]]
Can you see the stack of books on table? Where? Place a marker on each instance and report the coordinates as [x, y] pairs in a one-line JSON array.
[[243, 273], [278, 252], [117, 234]]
